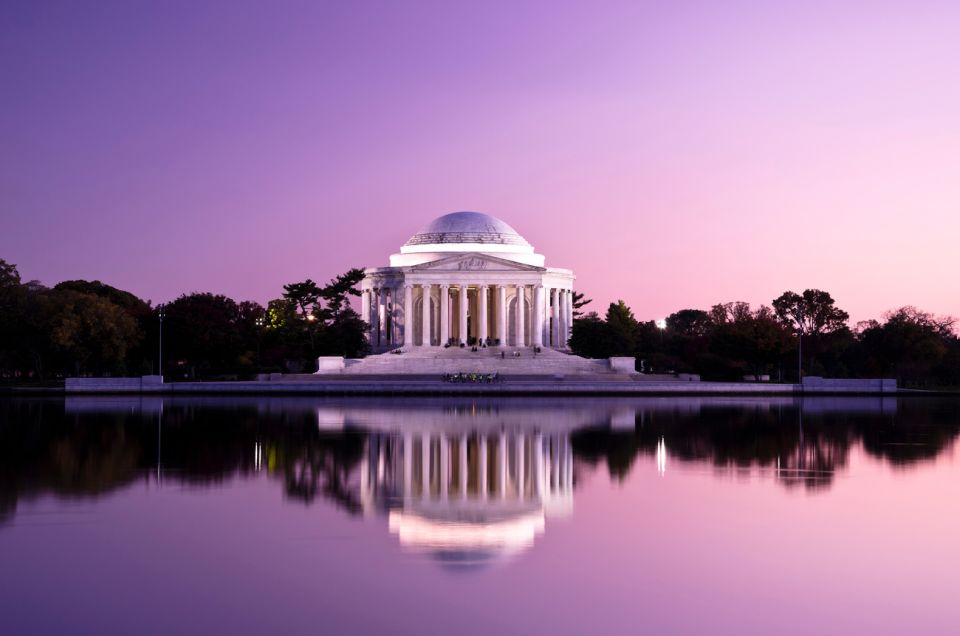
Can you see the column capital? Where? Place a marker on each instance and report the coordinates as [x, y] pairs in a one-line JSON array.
[[444, 285]]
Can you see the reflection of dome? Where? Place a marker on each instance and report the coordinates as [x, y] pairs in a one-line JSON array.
[[467, 543], [466, 228]]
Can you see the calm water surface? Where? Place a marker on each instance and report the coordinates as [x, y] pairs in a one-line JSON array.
[[298, 515]]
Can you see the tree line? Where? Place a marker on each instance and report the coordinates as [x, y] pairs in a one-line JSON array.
[[798, 333], [80, 327]]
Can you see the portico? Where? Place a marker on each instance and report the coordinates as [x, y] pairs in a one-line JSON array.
[[467, 279]]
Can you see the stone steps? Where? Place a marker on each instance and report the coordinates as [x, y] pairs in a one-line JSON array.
[[387, 379], [432, 361]]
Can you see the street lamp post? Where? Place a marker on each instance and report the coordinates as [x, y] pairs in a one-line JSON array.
[[160, 343], [800, 356], [259, 323]]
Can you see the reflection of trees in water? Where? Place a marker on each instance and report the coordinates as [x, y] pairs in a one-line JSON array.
[[813, 462], [801, 449], [921, 431], [42, 451], [45, 450], [325, 469]]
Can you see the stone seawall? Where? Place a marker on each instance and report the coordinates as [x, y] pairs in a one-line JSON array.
[[814, 384], [426, 386], [144, 384]]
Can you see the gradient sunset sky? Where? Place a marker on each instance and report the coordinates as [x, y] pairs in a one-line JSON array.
[[674, 154]]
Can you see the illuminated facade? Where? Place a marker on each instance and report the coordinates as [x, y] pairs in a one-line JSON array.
[[467, 278]]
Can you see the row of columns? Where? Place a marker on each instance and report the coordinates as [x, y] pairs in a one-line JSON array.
[[378, 309], [540, 467]]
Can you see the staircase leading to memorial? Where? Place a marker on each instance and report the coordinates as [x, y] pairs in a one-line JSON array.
[[419, 360]]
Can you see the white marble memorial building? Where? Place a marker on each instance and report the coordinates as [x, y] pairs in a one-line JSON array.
[[467, 278]]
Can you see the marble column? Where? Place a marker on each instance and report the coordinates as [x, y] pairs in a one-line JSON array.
[[408, 315], [383, 311], [444, 314], [569, 331], [482, 313], [502, 315], [365, 307], [385, 320], [426, 334], [374, 318], [395, 298], [562, 320], [555, 318], [463, 314], [520, 317], [537, 316]]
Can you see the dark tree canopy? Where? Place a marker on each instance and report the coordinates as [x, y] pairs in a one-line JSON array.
[[733, 340], [9, 276], [579, 301], [124, 299], [89, 327], [689, 322], [813, 312]]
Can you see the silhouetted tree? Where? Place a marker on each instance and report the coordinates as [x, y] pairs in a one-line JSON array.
[[814, 316], [909, 344], [579, 301], [91, 332], [201, 335]]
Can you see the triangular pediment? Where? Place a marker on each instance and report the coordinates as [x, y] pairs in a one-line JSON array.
[[475, 262]]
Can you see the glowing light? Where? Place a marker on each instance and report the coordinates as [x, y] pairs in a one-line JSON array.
[[661, 324], [257, 456], [508, 535], [661, 457]]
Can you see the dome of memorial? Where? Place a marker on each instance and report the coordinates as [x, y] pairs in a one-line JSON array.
[[470, 228]]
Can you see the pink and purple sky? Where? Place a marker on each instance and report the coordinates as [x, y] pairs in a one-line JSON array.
[[674, 154]]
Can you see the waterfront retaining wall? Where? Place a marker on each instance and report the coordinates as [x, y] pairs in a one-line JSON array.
[[398, 385], [816, 384]]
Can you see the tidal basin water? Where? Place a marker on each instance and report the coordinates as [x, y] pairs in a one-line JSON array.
[[479, 516]]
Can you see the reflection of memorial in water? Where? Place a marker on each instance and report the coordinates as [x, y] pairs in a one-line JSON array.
[[468, 496], [471, 485]]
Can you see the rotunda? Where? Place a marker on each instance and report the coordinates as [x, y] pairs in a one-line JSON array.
[[467, 278]]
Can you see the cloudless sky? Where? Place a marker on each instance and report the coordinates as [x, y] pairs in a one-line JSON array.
[[674, 154]]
